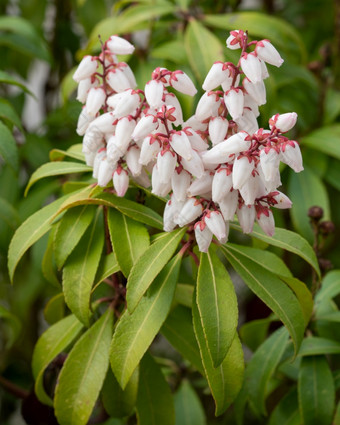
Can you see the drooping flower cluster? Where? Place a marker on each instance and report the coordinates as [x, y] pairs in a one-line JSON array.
[[216, 164]]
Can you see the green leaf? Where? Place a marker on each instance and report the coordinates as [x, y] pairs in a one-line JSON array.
[[154, 400], [30, 231], [325, 140], [69, 231], [172, 51], [56, 169], [178, 330], [117, 402], [272, 292], [48, 267], [54, 310], [315, 345], [290, 241], [136, 331], [9, 214], [13, 325], [75, 152], [265, 259], [303, 295], [299, 191], [330, 287], [83, 373], [129, 239], [8, 113], [6, 78], [52, 342], [188, 407], [68, 85], [149, 265], [316, 391], [225, 381], [202, 47], [80, 270], [283, 35], [217, 306], [254, 333], [183, 294], [106, 268], [262, 366], [8, 146], [330, 317], [287, 410]]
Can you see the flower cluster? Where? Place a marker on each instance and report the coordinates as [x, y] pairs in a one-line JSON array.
[[216, 164]]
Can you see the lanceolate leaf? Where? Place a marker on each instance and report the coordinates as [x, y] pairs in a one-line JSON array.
[[225, 381], [8, 148], [287, 410], [188, 407], [80, 270], [129, 239], [217, 306], [69, 231], [330, 287], [83, 373], [303, 295], [56, 339], [178, 330], [8, 113], [262, 367], [75, 152], [155, 404], [56, 169], [9, 214], [316, 345], [107, 267], [184, 294], [8, 79], [330, 140], [149, 265], [254, 333], [287, 240], [272, 291], [316, 391], [136, 331], [14, 326]]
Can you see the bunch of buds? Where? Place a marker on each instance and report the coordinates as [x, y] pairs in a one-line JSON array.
[[216, 164]]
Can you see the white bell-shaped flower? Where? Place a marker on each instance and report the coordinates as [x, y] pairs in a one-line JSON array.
[[282, 200], [215, 77], [256, 90], [196, 141], [195, 124], [218, 128], [128, 73], [251, 66], [84, 87], [149, 150], [195, 165], [84, 121], [242, 169], [104, 123], [181, 82], [234, 101], [247, 122], [180, 182], [252, 189], [181, 145], [171, 211], [119, 46], [203, 236], [127, 104], [117, 80], [215, 221], [92, 139], [207, 105], [201, 186], [105, 171], [229, 82], [283, 122], [120, 181], [270, 161], [86, 68], [221, 153], [166, 163], [146, 125], [266, 221], [250, 103], [228, 205], [191, 210], [89, 158], [154, 93], [114, 152], [132, 160], [291, 155], [159, 188], [100, 155], [267, 52], [172, 101], [95, 100], [221, 183], [246, 217]]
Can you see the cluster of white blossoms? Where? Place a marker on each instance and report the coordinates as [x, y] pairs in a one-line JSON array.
[[216, 164]]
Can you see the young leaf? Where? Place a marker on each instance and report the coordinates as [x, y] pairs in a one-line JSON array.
[[262, 367], [56, 169], [155, 404], [56, 339], [129, 238], [287, 240], [80, 270], [136, 331], [315, 345], [188, 407], [8, 148], [149, 264], [225, 381], [178, 330], [287, 410], [117, 402], [217, 306], [272, 291], [316, 391], [83, 373], [69, 231]]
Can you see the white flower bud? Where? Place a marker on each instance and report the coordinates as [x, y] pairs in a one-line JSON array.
[[145, 126], [119, 46], [221, 184], [246, 217], [232, 41], [195, 124], [217, 74], [124, 129], [249, 102], [158, 187], [120, 181], [266, 221], [201, 186], [283, 122], [256, 90], [104, 123], [267, 52], [86, 68], [105, 172], [166, 163], [203, 236], [132, 160], [190, 211], [114, 152], [84, 86], [117, 80], [180, 182], [228, 205], [214, 220], [270, 161], [171, 210], [207, 106], [195, 165], [196, 141], [89, 158], [234, 101], [181, 145], [180, 81], [92, 139], [252, 189], [247, 122], [228, 82], [218, 128], [149, 150], [128, 73], [221, 153], [291, 155], [154, 93], [100, 155], [251, 66], [172, 101], [84, 121], [127, 104], [282, 200], [242, 170], [95, 100]]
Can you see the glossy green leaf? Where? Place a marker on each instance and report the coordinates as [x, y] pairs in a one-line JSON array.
[[80, 270], [303, 295], [178, 330], [155, 403], [171, 50], [217, 306], [13, 326], [272, 291], [287, 410], [337, 415], [8, 113], [316, 391], [202, 47], [81, 196], [283, 35], [225, 381], [129, 239], [8, 79], [330, 287], [184, 294], [261, 368], [330, 317], [69, 231], [315, 345], [56, 169], [8, 147], [288, 240], [117, 402], [254, 333], [54, 310], [149, 265], [52, 342], [9, 214], [74, 151], [188, 407], [299, 191], [136, 331], [325, 140], [106, 268], [83, 373], [48, 266]]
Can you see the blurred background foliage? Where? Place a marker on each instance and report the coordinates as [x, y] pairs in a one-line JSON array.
[[41, 42]]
